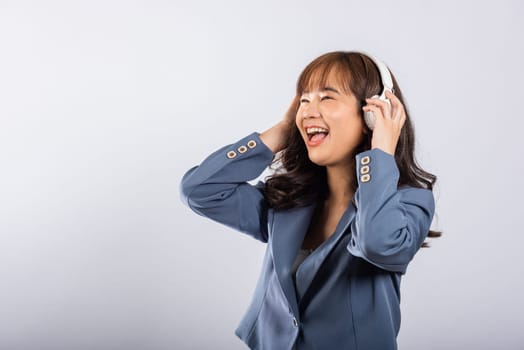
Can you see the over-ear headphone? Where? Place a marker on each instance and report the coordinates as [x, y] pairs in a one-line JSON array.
[[387, 82]]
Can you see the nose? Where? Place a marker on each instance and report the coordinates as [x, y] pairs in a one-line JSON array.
[[311, 109]]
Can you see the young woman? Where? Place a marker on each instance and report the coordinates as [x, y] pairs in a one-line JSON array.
[[343, 214]]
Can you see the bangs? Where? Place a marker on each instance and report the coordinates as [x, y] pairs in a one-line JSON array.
[[325, 71]]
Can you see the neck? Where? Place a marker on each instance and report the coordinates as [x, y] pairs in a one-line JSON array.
[[340, 180]]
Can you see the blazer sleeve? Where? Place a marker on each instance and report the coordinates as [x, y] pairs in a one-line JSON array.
[[218, 187], [391, 224]]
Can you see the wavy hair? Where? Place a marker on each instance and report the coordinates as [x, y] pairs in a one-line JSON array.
[[297, 181]]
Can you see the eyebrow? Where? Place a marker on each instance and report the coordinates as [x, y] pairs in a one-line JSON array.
[[327, 88]]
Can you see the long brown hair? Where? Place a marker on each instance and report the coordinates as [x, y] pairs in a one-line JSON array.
[[298, 181]]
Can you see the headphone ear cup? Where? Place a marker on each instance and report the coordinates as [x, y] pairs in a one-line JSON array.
[[369, 118]]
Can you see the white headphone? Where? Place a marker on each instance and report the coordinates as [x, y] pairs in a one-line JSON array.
[[387, 82]]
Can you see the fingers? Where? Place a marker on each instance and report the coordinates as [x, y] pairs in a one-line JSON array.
[[390, 118], [381, 109], [395, 102], [397, 107], [377, 111], [394, 110], [294, 103], [383, 106], [292, 109]]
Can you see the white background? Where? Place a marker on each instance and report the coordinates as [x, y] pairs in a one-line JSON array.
[[105, 104]]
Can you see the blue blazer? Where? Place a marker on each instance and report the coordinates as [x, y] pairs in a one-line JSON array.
[[347, 290]]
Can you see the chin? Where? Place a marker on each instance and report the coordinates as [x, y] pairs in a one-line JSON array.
[[320, 161], [330, 159]]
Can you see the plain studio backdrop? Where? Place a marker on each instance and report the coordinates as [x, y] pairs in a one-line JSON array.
[[104, 105]]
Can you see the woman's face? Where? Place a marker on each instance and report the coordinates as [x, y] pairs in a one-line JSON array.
[[330, 124]]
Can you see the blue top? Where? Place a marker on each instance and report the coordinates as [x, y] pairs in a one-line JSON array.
[[347, 292]]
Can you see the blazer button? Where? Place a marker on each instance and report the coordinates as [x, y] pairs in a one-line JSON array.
[[365, 160], [231, 154], [364, 169], [295, 323], [365, 178], [251, 144], [242, 149]]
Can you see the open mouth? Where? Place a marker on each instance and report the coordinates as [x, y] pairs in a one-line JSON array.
[[316, 134]]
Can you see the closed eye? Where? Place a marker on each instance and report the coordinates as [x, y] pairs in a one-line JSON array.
[[304, 100], [326, 98]]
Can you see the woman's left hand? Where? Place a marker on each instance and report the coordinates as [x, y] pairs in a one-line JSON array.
[[389, 120]]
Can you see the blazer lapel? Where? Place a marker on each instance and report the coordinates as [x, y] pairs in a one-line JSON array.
[[310, 266], [289, 229]]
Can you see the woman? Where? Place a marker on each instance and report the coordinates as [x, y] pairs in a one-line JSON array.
[[342, 216]]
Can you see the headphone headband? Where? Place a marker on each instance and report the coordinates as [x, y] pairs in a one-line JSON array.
[[385, 75]]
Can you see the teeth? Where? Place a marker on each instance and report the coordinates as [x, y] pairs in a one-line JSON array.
[[315, 130]]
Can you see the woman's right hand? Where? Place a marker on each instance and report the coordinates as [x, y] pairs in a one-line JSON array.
[[291, 113], [276, 136]]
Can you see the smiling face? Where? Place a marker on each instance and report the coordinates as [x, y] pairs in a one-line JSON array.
[[329, 119]]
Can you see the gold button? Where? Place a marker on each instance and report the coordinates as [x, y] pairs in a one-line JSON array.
[[365, 160], [242, 149], [364, 169], [231, 154], [365, 178], [251, 144]]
